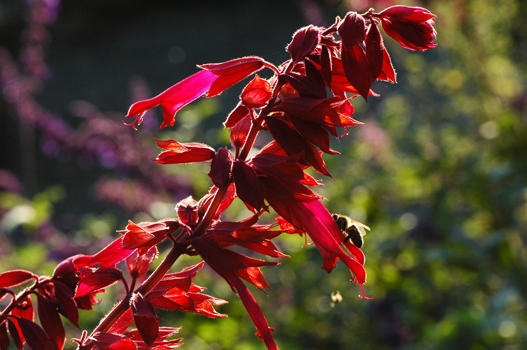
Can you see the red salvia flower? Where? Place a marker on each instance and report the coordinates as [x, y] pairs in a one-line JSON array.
[[212, 80], [412, 27], [107, 257], [176, 153], [146, 234]]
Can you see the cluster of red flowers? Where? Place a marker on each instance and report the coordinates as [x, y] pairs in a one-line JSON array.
[[304, 102]]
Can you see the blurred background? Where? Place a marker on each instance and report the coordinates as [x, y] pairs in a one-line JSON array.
[[438, 171]]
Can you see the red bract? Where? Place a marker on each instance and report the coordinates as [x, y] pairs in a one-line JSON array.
[[412, 27], [145, 318], [96, 279], [305, 40], [237, 114], [239, 131], [352, 30], [33, 334], [177, 292], [256, 93], [50, 320], [221, 167], [187, 211]]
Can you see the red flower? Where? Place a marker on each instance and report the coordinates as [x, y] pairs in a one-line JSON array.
[[138, 264], [173, 98], [177, 153], [107, 257], [146, 234], [412, 27], [212, 80]]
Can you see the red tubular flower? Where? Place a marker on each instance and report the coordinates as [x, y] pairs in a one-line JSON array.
[[313, 218], [146, 234], [305, 212], [174, 98], [412, 27], [177, 153], [232, 72], [107, 257], [212, 80]]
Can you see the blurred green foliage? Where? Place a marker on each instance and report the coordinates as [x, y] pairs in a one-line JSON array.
[[438, 172]]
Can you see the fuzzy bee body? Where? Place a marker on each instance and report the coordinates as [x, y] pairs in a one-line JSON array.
[[352, 229]]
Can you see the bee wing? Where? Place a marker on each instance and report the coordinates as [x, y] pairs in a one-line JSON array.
[[360, 226]]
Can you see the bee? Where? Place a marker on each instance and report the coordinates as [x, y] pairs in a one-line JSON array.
[[354, 230]]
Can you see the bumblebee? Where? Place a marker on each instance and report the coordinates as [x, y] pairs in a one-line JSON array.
[[354, 230]]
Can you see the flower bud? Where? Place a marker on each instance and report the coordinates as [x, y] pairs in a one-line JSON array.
[[412, 27]]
